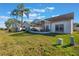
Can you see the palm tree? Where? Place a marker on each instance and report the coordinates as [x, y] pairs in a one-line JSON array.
[[15, 13], [21, 11]]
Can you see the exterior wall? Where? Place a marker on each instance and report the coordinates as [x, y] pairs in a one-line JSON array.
[[47, 23], [38, 28], [68, 26], [27, 26]]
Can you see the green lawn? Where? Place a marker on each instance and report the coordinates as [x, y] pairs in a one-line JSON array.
[[22, 44]]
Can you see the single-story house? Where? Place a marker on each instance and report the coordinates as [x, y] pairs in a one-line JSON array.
[[18, 27], [25, 26], [58, 24]]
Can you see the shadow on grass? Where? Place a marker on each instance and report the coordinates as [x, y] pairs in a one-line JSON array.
[[65, 46], [20, 34], [68, 45], [48, 34], [32, 34], [55, 45]]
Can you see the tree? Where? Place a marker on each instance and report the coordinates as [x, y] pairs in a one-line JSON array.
[[10, 22], [76, 24], [15, 13], [21, 11]]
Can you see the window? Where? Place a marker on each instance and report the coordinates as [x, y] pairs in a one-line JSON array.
[[59, 28], [56, 27], [23, 26], [47, 28]]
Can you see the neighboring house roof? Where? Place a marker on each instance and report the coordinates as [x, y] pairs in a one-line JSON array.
[[64, 17], [38, 24], [36, 20]]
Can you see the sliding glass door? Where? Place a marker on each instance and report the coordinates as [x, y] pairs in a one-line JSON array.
[[59, 28]]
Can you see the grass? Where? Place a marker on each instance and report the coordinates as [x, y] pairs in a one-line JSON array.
[[28, 44]]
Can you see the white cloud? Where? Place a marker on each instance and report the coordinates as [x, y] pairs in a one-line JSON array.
[[33, 14], [36, 16], [2, 25], [54, 15], [43, 9], [8, 12], [4, 17], [38, 10], [40, 17], [50, 8]]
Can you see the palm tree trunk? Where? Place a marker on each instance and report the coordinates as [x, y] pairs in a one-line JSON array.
[[22, 21]]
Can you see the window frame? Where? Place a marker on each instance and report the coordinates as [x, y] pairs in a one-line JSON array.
[[59, 28]]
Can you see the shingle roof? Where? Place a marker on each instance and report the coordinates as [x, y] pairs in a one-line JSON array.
[[64, 17]]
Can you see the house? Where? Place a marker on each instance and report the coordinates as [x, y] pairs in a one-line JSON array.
[[39, 25], [76, 26], [25, 26], [58, 24], [17, 27], [14, 27]]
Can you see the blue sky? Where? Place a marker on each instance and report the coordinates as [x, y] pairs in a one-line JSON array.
[[40, 10]]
